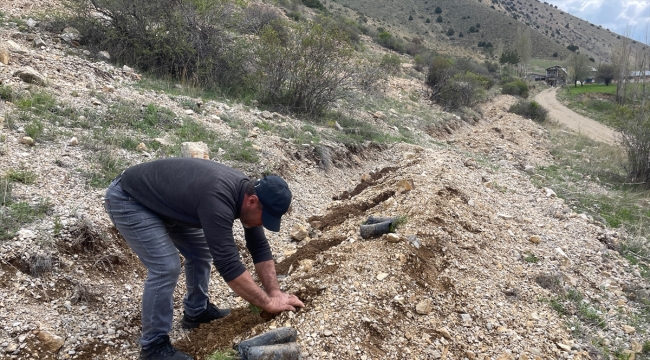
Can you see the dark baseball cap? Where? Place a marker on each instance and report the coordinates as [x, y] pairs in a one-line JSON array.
[[275, 196]]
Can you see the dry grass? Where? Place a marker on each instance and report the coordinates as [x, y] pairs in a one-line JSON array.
[[86, 238]]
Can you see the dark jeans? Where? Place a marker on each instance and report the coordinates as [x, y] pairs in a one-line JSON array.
[[157, 245]]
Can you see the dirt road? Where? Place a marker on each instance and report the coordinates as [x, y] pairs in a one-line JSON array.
[[573, 121]]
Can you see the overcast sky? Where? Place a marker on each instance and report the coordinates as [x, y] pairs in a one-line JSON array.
[[614, 15]]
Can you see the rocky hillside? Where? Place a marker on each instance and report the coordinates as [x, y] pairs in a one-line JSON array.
[[552, 30], [487, 265]]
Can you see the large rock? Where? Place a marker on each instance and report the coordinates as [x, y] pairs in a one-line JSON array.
[[52, 342], [4, 56], [424, 307], [29, 75], [70, 34], [14, 48], [195, 150], [103, 55], [299, 232]]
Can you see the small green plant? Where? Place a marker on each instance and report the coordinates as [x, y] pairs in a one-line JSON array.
[[517, 88], [401, 220], [228, 354], [34, 129], [7, 93], [16, 215], [646, 347], [254, 309], [22, 176], [58, 226], [557, 305], [531, 258]]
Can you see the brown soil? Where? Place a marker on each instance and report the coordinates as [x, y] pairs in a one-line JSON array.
[[219, 334], [365, 184], [308, 251], [339, 214]]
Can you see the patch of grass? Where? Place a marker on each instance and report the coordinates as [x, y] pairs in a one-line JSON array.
[[591, 88], [106, 167], [34, 129], [13, 216], [22, 176], [7, 93]]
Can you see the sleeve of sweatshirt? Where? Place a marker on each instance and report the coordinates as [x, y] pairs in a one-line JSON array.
[[257, 244], [216, 214]]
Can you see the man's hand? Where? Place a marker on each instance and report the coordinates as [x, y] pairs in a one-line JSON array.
[[279, 302]]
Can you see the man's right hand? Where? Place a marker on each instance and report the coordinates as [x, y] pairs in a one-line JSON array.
[[279, 302]]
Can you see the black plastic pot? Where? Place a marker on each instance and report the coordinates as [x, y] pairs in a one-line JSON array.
[[289, 351], [374, 230], [281, 335], [377, 220]]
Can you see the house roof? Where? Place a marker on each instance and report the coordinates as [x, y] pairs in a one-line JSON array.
[[639, 73]]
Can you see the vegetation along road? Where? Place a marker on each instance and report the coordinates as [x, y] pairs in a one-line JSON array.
[[573, 121]]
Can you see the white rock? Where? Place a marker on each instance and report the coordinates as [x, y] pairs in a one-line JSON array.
[[195, 150], [29, 75], [30, 23], [103, 55], [51, 341], [73, 141], [424, 307], [299, 232], [382, 276], [549, 192], [27, 140]]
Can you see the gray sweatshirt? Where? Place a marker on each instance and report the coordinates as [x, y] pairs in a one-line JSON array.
[[203, 194]]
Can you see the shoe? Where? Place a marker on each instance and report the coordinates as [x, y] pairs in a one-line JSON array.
[[162, 349], [210, 313]]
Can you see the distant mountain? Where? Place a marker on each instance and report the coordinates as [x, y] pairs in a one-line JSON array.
[[483, 21]]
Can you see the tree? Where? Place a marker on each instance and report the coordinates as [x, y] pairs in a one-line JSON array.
[[439, 19], [579, 68], [410, 17], [555, 55], [606, 73], [438, 10], [450, 32], [572, 47], [460, 34], [428, 20], [509, 56], [621, 59], [472, 29], [524, 48]]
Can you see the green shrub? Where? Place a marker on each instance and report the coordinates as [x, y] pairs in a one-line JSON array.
[[438, 10], [463, 89], [188, 40], [516, 87], [450, 32], [306, 71], [439, 19], [314, 4], [529, 109], [391, 63]]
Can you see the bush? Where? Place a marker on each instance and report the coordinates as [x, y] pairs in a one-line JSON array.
[[634, 127], [305, 71], [388, 41], [438, 10], [456, 84], [516, 87], [391, 63], [463, 90], [189, 40], [529, 109], [314, 4], [439, 19], [450, 32]]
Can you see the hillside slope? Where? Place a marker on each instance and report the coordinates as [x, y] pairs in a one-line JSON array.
[[551, 29], [487, 266]]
